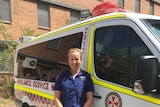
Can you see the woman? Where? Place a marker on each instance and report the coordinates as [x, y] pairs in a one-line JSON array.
[[73, 88]]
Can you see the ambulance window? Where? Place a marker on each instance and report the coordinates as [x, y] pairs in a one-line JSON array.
[[153, 25], [50, 57], [117, 49]]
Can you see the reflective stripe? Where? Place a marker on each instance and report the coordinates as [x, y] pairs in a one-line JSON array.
[[33, 91], [125, 91], [90, 51]]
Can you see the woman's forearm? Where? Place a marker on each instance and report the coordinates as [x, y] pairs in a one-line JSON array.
[[57, 101], [89, 99]]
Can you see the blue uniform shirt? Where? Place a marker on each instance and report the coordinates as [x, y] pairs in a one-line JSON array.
[[73, 91]]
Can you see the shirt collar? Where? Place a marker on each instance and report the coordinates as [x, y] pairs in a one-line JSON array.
[[70, 74]]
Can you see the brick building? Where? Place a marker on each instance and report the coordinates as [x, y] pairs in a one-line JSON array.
[[45, 15]]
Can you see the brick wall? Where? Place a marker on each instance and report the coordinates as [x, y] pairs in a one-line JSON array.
[[24, 14], [145, 6], [156, 9], [129, 5]]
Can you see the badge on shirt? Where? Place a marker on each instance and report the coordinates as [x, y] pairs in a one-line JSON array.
[[83, 78]]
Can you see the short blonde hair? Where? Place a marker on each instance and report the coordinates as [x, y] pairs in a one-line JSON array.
[[75, 50]]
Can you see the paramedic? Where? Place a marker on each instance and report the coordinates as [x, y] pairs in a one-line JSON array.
[[104, 68], [73, 88]]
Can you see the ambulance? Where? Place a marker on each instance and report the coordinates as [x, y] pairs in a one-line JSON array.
[[130, 40]]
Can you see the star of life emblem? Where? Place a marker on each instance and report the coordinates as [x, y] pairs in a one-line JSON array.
[[113, 100]]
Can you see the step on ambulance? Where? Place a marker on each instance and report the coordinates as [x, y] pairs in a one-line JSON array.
[[129, 43]]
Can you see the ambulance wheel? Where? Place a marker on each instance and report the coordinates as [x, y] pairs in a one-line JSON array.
[[25, 105]]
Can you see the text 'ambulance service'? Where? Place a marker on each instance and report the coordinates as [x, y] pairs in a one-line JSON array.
[[128, 43]]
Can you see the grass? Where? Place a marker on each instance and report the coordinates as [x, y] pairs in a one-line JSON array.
[[7, 102]]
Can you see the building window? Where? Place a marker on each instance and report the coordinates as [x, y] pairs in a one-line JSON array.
[[151, 9], [137, 6], [121, 3], [5, 10], [43, 14], [74, 16]]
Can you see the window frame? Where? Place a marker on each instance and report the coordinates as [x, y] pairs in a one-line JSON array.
[[7, 8], [130, 24], [126, 63], [74, 15], [137, 5], [151, 8], [121, 3], [42, 6], [51, 60]]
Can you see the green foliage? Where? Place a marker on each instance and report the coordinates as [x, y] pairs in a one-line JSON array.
[[6, 61], [6, 85], [3, 32], [26, 31], [10, 87], [7, 47]]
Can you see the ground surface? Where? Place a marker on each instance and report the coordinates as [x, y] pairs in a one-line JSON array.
[[6, 99], [7, 102]]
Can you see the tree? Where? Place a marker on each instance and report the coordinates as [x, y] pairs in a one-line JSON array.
[[7, 47], [26, 31]]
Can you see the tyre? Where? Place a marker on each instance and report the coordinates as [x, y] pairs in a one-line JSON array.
[[25, 105]]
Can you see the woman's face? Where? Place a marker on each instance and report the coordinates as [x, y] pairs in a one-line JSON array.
[[74, 60]]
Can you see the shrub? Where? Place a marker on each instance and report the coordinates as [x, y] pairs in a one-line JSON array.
[[10, 88]]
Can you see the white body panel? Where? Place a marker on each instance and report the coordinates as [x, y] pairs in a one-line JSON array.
[[106, 94]]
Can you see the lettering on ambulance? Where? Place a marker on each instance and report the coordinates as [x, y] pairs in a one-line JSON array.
[[42, 85], [36, 84], [84, 39], [52, 87], [24, 82], [113, 100]]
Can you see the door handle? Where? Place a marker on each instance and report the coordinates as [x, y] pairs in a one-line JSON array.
[[96, 95]]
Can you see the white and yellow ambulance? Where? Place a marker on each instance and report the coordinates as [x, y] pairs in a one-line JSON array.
[[131, 40]]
